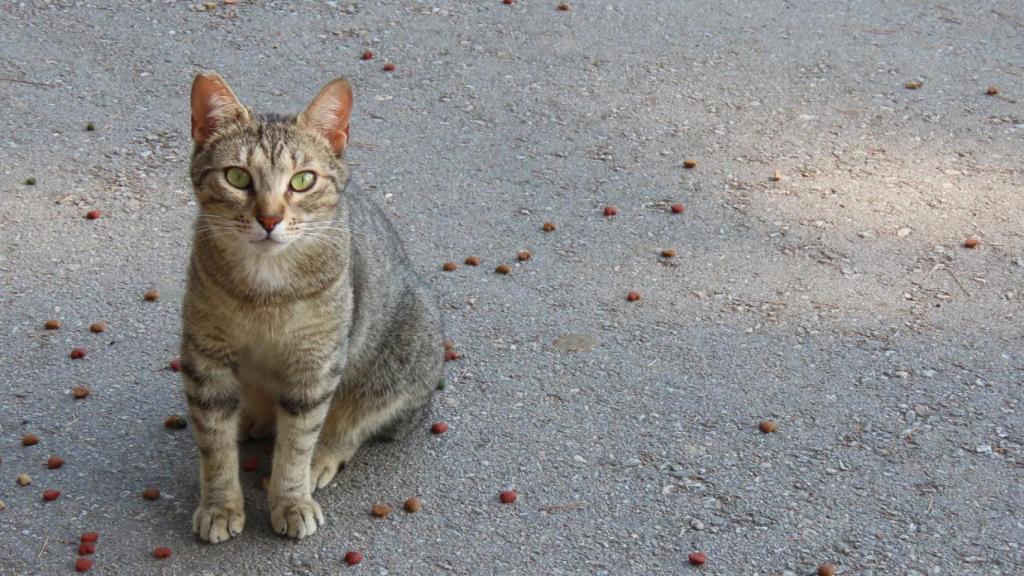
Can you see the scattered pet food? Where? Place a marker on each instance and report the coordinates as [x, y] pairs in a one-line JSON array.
[[54, 462], [678, 208], [29, 440], [367, 55], [77, 353], [30, 181], [913, 85], [450, 355], [508, 496], [353, 557], [381, 510], [439, 427], [472, 261], [767, 426], [668, 253], [389, 67], [698, 558], [89, 126], [92, 214], [175, 421], [992, 90], [503, 269], [776, 176], [83, 564], [524, 255], [633, 296], [251, 464], [23, 479], [413, 505], [548, 227], [98, 327], [175, 365], [86, 548], [151, 493], [51, 495], [162, 552], [826, 570], [52, 325], [689, 164], [610, 210], [151, 295], [90, 536], [972, 242], [449, 266]]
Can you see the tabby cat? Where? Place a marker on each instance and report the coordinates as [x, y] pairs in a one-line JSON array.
[[302, 316]]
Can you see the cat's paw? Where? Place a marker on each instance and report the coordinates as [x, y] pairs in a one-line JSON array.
[[217, 523], [296, 517], [323, 469]]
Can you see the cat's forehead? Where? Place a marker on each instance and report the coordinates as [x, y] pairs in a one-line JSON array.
[[270, 141]]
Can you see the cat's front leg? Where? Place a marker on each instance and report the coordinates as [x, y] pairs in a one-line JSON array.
[[212, 393], [301, 411]]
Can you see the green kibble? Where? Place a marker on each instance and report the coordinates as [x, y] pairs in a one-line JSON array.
[[31, 181], [89, 126], [441, 384]]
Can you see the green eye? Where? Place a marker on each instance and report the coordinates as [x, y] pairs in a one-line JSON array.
[[303, 181], [238, 177]]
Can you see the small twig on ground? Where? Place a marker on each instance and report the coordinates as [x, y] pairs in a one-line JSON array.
[[33, 83], [561, 507], [953, 274], [43, 548], [1008, 17]]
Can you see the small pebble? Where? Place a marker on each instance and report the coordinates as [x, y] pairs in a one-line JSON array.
[[610, 210], [548, 227], [992, 90], [162, 552], [83, 564], [633, 296], [698, 558], [98, 327], [508, 496], [668, 253], [439, 427], [767, 426], [826, 570], [389, 67], [353, 557], [448, 344], [51, 495], [381, 510], [413, 505], [972, 242], [913, 85], [52, 325], [776, 176], [251, 464], [524, 255], [151, 295], [23, 479], [54, 462], [29, 440], [86, 548], [151, 493], [90, 536], [503, 269], [77, 353], [449, 266], [472, 261], [92, 214], [678, 208], [89, 126], [367, 55], [689, 164], [30, 181]]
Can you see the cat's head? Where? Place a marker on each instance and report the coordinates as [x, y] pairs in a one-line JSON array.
[[265, 183]]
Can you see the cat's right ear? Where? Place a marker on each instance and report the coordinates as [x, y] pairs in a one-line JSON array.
[[214, 106]]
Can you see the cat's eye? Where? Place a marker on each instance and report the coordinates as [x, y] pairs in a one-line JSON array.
[[238, 177], [303, 181]]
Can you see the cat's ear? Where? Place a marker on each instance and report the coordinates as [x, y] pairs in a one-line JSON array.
[[329, 112], [214, 106]]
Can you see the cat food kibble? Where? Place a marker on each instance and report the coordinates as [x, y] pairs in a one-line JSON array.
[[175, 421], [51, 495], [162, 552], [689, 164], [548, 227], [29, 440], [564, 7], [449, 266], [90, 536], [503, 269], [826, 570], [698, 558], [439, 427], [52, 325], [508, 496], [776, 176], [389, 67], [367, 55], [23, 479], [92, 214], [98, 327], [30, 181], [86, 548], [972, 242], [913, 85], [83, 564], [524, 255], [413, 505], [678, 208], [77, 353], [151, 493], [451, 355], [992, 91], [54, 462], [79, 392], [381, 510], [175, 365], [89, 126], [151, 295], [353, 557], [508, 1], [448, 344], [251, 464], [767, 426], [633, 296], [668, 253], [472, 261], [610, 210]]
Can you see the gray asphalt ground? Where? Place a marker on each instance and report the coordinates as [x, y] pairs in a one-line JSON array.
[[838, 302]]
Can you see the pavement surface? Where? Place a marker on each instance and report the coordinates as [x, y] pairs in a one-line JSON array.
[[838, 301]]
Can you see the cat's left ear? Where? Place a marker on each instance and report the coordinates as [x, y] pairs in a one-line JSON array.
[[214, 106], [329, 112]]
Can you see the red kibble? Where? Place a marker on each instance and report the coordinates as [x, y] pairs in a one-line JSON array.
[[610, 210], [368, 55], [90, 536], [451, 355], [175, 365], [389, 67], [678, 208], [51, 495], [633, 296], [29, 440], [77, 353], [508, 496], [698, 558], [151, 493], [86, 548], [83, 564], [162, 552], [508, 1], [251, 464], [439, 427], [92, 214], [353, 557], [54, 462]]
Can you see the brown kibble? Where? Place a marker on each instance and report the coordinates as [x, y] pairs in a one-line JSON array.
[[668, 253], [548, 227], [564, 7], [451, 355], [449, 266], [175, 421], [151, 493], [827, 570], [767, 426], [381, 510], [251, 464], [413, 505], [439, 427], [389, 67], [367, 55], [524, 255], [29, 440], [776, 176], [52, 325], [23, 479], [79, 392], [698, 558], [508, 496], [992, 90], [972, 242], [633, 296], [77, 353], [54, 462], [98, 327], [689, 164], [472, 261], [152, 295], [503, 269], [678, 208], [610, 210], [51, 495], [913, 85], [86, 548]]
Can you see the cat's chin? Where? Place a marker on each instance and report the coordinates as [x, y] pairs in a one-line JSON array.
[[268, 245]]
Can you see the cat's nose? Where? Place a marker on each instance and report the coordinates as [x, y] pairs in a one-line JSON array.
[[269, 222]]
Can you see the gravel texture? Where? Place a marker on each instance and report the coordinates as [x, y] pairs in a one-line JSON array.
[[836, 300]]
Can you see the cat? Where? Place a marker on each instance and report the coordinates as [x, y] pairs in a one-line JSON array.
[[302, 315]]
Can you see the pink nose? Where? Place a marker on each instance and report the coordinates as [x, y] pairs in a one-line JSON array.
[[269, 222]]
